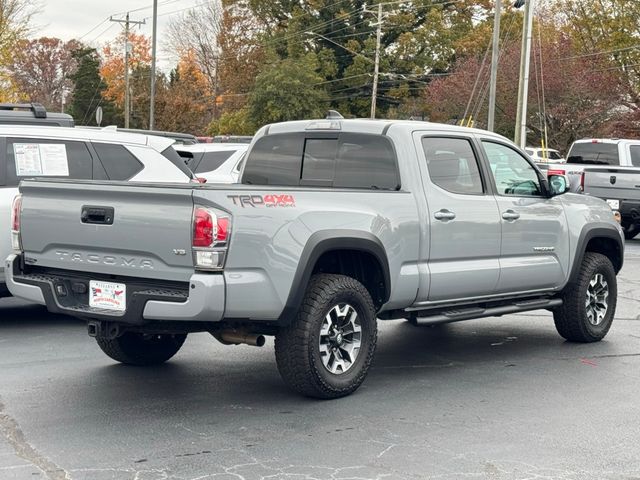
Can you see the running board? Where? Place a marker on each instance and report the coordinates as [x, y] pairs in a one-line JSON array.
[[478, 312]]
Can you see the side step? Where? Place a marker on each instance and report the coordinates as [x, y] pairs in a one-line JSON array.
[[470, 313]]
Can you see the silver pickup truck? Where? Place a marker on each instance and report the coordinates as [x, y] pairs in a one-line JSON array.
[[337, 223], [620, 188]]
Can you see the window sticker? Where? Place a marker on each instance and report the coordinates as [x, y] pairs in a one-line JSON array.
[[41, 159]]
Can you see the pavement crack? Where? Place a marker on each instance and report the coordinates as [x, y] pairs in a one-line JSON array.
[[15, 437]]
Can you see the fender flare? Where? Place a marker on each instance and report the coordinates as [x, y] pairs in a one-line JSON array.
[[322, 242], [589, 233]]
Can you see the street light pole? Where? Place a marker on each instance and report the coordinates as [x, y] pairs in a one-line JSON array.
[[494, 66], [376, 68], [152, 103], [520, 137]]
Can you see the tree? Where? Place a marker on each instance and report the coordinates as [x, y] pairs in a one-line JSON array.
[[112, 68], [187, 100], [88, 90], [195, 33], [41, 68], [582, 95], [288, 90], [15, 18]]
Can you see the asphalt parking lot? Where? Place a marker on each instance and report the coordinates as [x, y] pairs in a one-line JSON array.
[[499, 398]]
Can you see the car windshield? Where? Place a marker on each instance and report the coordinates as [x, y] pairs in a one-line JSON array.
[[594, 153]]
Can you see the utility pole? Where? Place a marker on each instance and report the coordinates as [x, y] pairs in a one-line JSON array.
[[494, 66], [152, 104], [376, 68], [520, 137], [127, 45]]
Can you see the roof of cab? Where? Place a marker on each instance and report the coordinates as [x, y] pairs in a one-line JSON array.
[[86, 134], [361, 125]]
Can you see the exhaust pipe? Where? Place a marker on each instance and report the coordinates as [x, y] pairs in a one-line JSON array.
[[236, 338]]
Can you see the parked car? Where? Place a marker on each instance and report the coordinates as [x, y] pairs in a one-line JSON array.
[[597, 151], [544, 155], [619, 187], [337, 223], [83, 154], [32, 114], [214, 162]]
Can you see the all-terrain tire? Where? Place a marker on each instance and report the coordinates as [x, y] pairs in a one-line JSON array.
[[571, 319], [139, 349], [297, 346]]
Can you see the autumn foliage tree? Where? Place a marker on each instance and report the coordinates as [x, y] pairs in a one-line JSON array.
[[41, 68], [112, 68], [186, 101], [582, 95]]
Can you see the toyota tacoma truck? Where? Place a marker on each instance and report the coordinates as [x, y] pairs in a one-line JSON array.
[[620, 188], [336, 224]]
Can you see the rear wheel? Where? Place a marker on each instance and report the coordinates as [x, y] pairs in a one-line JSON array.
[[589, 303], [141, 349], [327, 350]]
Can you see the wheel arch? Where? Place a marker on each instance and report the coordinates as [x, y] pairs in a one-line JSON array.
[[323, 253], [604, 240]]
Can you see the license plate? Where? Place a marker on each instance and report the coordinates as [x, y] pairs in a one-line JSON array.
[[614, 204], [110, 296]]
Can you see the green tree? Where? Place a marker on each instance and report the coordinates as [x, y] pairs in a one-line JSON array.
[[290, 89], [88, 88]]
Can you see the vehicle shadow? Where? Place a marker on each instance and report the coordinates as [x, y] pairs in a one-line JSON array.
[[15, 313], [408, 358]]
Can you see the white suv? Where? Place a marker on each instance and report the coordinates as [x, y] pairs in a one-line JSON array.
[[77, 153], [215, 162]]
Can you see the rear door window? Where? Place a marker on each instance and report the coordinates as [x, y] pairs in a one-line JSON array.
[[594, 153], [452, 165], [213, 160], [46, 158], [118, 162]]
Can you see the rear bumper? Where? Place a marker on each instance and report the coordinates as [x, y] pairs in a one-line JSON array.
[[202, 299]]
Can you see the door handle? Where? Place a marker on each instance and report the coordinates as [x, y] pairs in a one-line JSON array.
[[510, 215], [444, 215]]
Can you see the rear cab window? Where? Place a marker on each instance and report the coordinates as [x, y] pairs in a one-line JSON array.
[[595, 153], [338, 160]]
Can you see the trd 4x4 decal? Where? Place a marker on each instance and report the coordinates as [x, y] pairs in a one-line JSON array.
[[263, 200]]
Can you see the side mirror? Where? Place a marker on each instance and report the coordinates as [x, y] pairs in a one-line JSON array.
[[558, 184]]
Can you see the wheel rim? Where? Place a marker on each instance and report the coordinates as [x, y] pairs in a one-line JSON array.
[[597, 301], [340, 338]]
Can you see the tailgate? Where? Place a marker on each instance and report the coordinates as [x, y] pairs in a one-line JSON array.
[[613, 183], [140, 231]]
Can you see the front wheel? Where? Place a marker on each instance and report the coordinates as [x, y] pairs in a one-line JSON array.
[[327, 350], [589, 303], [141, 349]]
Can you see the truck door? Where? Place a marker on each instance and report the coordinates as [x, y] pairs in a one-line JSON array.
[[463, 224], [535, 238]]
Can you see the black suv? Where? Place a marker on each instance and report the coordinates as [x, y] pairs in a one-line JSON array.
[[32, 114]]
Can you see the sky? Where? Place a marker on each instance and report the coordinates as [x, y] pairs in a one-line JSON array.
[[67, 19]]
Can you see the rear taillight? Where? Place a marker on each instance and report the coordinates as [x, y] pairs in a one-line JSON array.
[[210, 239], [582, 182], [198, 180], [16, 210], [555, 172]]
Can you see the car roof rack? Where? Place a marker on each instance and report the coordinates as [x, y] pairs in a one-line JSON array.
[[37, 108]]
